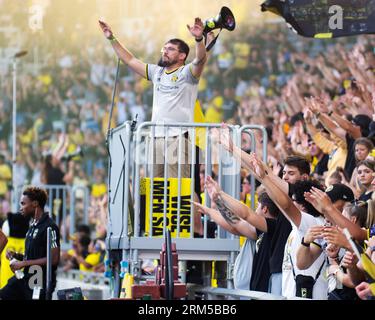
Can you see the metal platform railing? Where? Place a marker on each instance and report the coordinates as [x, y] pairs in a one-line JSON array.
[[233, 294], [143, 203]]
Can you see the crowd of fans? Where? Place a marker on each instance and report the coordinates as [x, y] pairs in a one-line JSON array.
[[315, 98], [318, 106]]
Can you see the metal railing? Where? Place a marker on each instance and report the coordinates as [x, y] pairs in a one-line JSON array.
[[234, 294], [132, 166], [248, 129]]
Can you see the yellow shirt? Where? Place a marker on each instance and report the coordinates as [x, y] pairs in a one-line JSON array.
[[202, 85], [26, 138], [213, 115], [313, 163], [242, 52], [98, 189], [5, 177], [337, 152], [16, 245], [75, 139], [93, 259]]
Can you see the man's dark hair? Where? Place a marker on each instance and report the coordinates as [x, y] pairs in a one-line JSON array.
[[83, 228], [84, 240], [295, 118], [299, 188], [300, 163], [265, 200], [182, 46], [36, 194]]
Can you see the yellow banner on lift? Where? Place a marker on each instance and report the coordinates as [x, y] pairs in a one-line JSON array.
[[171, 206]]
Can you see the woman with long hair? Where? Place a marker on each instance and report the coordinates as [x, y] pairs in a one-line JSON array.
[[366, 170]]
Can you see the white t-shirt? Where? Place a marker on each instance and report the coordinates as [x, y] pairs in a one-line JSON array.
[[291, 247], [175, 94]]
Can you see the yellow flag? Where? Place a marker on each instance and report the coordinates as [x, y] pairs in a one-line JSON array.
[[368, 265], [372, 288]]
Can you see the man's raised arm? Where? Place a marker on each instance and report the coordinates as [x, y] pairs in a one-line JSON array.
[[124, 54], [200, 49]]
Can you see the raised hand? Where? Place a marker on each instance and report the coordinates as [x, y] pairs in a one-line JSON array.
[[222, 136], [363, 290], [310, 106], [200, 208], [332, 250], [307, 113], [212, 188], [314, 105], [334, 236], [323, 102], [103, 202], [106, 29], [197, 29], [314, 233], [258, 167], [319, 199], [370, 243], [349, 260]]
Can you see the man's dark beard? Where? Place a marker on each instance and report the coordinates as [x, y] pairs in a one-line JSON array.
[[163, 64]]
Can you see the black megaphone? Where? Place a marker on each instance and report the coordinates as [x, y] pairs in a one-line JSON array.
[[224, 20]]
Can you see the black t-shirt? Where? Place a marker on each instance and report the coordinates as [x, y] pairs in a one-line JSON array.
[[343, 294], [36, 244], [279, 233], [350, 158], [194, 268], [261, 264], [18, 225], [365, 196], [322, 165], [55, 176]]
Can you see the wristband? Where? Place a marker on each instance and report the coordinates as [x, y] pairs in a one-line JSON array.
[[198, 40], [111, 38], [307, 245]]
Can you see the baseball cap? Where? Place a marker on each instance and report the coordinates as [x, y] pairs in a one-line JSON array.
[[339, 191]]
